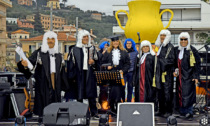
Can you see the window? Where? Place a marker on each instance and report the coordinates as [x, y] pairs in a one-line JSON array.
[[32, 48], [20, 36], [174, 39], [25, 37]]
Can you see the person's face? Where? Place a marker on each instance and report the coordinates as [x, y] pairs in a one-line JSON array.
[[106, 46], [51, 42], [145, 49], [162, 38], [116, 43], [183, 42], [128, 44], [85, 39]]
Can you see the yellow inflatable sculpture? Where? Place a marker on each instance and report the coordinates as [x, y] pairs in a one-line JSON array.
[[143, 17]]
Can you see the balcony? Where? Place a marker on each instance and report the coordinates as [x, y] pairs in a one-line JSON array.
[[10, 49], [6, 3], [181, 19], [2, 14], [10, 57]]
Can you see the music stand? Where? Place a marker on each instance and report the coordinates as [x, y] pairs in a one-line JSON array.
[[109, 78]]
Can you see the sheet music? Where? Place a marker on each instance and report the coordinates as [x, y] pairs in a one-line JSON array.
[[23, 56]]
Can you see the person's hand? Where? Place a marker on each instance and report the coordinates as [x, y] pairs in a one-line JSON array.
[[121, 71], [103, 51], [24, 63], [196, 81], [175, 75], [109, 67], [91, 61]]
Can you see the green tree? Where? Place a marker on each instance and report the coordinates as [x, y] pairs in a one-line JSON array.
[[208, 41], [202, 37], [37, 22]]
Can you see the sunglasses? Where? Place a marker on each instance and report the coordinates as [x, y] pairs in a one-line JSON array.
[[183, 39]]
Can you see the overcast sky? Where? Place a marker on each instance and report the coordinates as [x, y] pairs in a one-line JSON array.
[[100, 5]]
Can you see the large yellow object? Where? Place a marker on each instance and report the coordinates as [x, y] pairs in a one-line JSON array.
[[144, 17]]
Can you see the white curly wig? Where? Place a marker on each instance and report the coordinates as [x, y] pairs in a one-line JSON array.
[[167, 39], [45, 47], [185, 35], [81, 34]]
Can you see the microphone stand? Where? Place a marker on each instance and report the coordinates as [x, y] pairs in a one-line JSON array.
[[139, 38]]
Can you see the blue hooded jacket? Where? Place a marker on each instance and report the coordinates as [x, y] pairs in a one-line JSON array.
[[132, 55]]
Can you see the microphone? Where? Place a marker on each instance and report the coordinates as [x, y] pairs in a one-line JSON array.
[[139, 36], [177, 71]]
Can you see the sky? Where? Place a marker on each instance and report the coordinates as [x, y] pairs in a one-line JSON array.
[[99, 5]]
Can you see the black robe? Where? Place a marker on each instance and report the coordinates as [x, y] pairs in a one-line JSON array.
[[76, 72], [124, 64], [165, 63], [149, 95], [43, 87], [188, 88]]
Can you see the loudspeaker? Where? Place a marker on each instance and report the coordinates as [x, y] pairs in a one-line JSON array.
[[18, 103], [135, 114], [68, 113]]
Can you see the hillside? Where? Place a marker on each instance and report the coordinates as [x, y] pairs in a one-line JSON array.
[[101, 28]]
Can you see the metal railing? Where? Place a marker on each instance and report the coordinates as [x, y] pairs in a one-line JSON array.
[[180, 19]]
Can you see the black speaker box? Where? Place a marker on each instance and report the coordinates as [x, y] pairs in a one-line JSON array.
[[135, 114], [68, 114]]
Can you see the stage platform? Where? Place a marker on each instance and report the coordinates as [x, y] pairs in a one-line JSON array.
[[159, 121]]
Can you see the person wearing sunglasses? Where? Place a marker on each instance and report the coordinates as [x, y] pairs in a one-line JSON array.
[[187, 60]]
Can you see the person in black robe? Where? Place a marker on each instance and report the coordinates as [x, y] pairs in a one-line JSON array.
[[49, 73], [187, 60], [164, 73], [119, 60], [145, 89], [130, 46], [83, 61]]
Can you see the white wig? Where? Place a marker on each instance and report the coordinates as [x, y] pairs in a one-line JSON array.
[[185, 35], [45, 47], [166, 40], [147, 43], [81, 34]]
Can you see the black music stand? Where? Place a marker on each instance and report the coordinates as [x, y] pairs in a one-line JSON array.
[[108, 78]]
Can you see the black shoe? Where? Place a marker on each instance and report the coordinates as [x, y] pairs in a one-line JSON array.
[[95, 117], [166, 115], [189, 116], [181, 115], [159, 114]]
